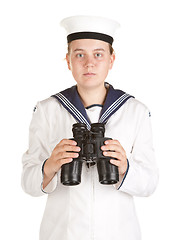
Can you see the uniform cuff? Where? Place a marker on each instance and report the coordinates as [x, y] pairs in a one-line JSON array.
[[123, 179], [53, 183]]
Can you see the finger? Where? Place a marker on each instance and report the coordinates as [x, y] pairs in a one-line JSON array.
[[112, 141], [64, 161], [70, 148], [66, 148], [59, 163], [116, 155], [112, 147], [115, 162], [63, 155], [122, 166], [67, 142]]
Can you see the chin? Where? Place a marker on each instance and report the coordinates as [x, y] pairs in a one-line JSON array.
[[90, 84]]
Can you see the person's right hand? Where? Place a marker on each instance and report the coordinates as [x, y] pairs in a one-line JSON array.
[[64, 152]]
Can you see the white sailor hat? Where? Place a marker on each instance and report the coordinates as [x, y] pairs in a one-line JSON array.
[[90, 27]]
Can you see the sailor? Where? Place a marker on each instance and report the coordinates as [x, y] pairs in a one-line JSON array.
[[90, 210]]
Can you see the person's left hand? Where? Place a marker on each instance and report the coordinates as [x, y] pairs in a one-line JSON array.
[[117, 154]]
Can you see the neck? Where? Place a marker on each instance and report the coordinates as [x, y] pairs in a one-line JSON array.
[[92, 96]]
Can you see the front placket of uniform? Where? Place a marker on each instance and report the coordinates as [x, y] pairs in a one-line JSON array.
[[92, 218], [71, 101]]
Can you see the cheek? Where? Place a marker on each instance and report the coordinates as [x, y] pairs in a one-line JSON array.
[[105, 66], [78, 65], [74, 66], [76, 69], [71, 65]]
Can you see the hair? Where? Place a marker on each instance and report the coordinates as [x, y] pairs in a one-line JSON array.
[[111, 50]]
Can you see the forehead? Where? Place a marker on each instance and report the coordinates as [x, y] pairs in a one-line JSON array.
[[88, 45]]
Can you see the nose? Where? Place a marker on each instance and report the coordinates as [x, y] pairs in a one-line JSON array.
[[89, 61]]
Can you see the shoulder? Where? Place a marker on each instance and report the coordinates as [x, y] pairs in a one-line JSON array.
[[137, 107], [48, 102], [130, 103], [133, 102], [47, 106]]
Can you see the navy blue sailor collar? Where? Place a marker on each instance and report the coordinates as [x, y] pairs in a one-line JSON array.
[[71, 101]]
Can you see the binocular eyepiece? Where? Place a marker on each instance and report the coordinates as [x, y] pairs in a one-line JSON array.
[[90, 143]]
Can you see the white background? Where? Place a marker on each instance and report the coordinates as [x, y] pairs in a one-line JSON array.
[[32, 67]]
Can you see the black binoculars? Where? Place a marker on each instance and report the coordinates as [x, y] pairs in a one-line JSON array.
[[90, 142]]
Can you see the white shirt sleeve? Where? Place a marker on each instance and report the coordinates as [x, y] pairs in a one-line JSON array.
[[142, 176], [35, 156]]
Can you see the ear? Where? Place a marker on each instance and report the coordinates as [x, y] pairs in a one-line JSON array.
[[68, 61], [112, 59]]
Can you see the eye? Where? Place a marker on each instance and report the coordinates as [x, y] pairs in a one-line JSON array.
[[98, 55], [80, 55]]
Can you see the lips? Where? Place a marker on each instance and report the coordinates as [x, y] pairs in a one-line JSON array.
[[89, 74]]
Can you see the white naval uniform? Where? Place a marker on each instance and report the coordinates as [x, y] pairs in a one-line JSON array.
[[90, 210]]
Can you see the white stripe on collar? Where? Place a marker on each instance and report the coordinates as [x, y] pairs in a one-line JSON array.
[[73, 109], [113, 107], [71, 101]]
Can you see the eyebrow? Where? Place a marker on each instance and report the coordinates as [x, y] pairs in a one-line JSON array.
[[97, 49], [78, 49]]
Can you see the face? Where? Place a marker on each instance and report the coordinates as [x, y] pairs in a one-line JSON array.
[[90, 61]]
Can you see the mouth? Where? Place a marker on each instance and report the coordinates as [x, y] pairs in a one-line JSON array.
[[89, 74]]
